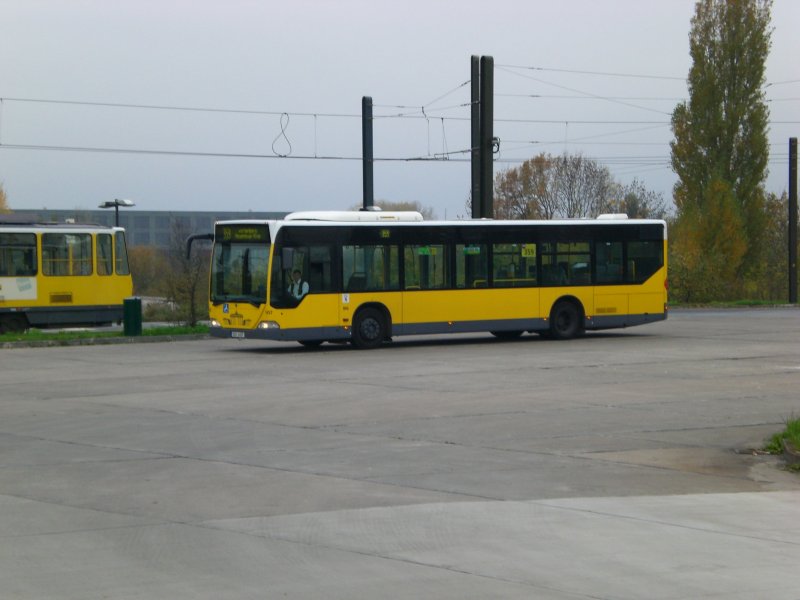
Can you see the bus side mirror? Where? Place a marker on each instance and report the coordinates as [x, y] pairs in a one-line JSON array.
[[192, 238]]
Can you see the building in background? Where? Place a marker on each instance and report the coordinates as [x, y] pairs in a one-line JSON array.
[[145, 227]]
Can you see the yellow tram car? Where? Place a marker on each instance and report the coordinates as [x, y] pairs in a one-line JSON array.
[[55, 275]]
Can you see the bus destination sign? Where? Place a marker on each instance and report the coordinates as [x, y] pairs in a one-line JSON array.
[[243, 233]]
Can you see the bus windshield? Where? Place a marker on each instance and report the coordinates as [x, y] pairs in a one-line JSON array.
[[239, 273]]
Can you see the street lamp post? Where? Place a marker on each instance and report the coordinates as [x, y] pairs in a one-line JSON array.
[[115, 204]]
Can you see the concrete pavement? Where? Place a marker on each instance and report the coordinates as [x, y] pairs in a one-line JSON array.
[[616, 466]]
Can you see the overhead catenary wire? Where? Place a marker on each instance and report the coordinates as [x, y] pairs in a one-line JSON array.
[[565, 97], [628, 75], [417, 114], [176, 107], [423, 112], [596, 96], [530, 131], [598, 73]]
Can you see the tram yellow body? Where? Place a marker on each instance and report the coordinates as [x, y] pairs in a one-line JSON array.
[[55, 275]]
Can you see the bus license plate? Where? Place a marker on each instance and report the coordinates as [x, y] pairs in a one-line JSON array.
[[237, 334]]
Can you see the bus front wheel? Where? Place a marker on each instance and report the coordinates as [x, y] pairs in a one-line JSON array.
[[565, 320], [369, 329]]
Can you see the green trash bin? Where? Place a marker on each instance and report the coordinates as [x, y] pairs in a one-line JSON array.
[[132, 316]]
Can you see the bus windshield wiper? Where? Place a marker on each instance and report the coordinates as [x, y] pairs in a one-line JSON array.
[[255, 301]]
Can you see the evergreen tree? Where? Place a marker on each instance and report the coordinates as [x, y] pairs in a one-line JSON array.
[[720, 150]]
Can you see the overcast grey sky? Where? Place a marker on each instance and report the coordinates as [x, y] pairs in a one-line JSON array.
[[252, 61]]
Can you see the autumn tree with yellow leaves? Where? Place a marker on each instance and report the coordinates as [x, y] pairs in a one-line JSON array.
[[4, 208]]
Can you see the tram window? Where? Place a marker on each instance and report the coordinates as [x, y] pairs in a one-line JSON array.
[[105, 259], [17, 254], [65, 254], [121, 253]]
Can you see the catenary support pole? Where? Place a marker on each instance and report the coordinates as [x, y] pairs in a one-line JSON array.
[[793, 220], [366, 143], [487, 134], [475, 154]]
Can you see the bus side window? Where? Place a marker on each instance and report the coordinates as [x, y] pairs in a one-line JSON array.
[[320, 269], [608, 260], [471, 265], [644, 259], [371, 267], [425, 267], [514, 265]]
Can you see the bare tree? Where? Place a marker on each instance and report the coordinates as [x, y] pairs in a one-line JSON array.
[[636, 201], [523, 192], [547, 187], [581, 187], [187, 284]]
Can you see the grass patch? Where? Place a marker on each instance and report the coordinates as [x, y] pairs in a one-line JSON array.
[[791, 434], [39, 335], [43, 335], [726, 304]]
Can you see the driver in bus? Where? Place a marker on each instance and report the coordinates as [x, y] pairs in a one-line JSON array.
[[298, 288]]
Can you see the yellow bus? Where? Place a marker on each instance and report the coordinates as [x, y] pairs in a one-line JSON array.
[[365, 277], [53, 275]]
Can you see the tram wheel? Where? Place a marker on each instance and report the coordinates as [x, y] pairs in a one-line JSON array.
[[13, 324]]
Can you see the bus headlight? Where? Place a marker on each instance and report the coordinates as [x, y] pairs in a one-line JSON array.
[[215, 323], [268, 325]]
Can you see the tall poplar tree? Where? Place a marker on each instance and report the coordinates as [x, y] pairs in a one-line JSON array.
[[721, 136]]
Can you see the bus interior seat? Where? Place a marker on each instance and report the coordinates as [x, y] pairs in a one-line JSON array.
[[553, 274], [357, 282]]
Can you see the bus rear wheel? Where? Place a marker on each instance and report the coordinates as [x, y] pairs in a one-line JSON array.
[[565, 320], [369, 329]]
